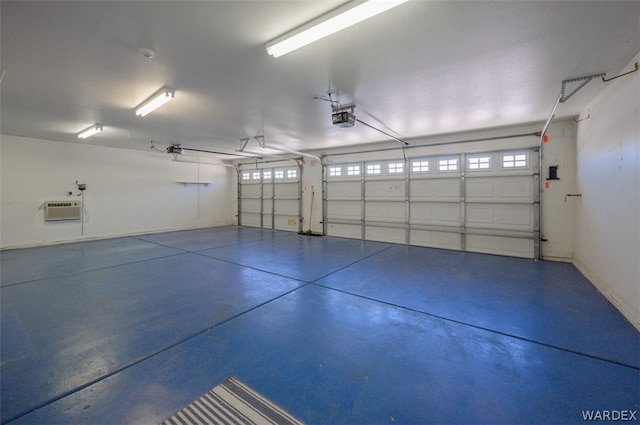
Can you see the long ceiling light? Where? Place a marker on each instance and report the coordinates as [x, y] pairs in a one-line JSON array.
[[94, 129], [334, 21], [154, 102]]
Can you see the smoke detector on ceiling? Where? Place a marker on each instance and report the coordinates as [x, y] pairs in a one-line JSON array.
[[147, 53]]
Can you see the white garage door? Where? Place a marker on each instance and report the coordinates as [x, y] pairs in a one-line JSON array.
[[480, 202], [270, 198]]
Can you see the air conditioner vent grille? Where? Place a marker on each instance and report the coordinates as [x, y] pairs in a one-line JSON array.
[[62, 210]]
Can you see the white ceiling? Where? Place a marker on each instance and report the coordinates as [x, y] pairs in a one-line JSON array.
[[423, 68]]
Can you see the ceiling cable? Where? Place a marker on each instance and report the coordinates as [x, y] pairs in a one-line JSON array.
[[216, 152], [177, 159], [383, 132], [443, 143], [336, 106], [263, 145]]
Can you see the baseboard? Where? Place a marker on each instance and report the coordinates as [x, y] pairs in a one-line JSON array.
[[37, 244], [558, 259], [628, 310]]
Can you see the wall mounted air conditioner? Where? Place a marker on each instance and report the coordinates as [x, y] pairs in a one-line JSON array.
[[62, 210]]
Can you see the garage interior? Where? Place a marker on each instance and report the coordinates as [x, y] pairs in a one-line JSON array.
[[430, 216]]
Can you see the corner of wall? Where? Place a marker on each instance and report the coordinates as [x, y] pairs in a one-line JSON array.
[[627, 308]]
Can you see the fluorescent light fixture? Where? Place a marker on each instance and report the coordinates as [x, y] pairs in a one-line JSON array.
[[154, 102], [94, 129], [339, 19]]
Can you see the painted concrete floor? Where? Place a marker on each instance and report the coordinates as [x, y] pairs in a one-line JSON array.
[[335, 331]]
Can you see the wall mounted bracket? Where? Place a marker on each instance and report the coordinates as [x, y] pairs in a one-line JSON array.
[[582, 82], [635, 69], [243, 143]]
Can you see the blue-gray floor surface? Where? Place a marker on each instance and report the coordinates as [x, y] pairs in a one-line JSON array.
[[335, 331]]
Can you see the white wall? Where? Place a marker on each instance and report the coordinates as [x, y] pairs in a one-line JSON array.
[[128, 191], [607, 226], [558, 209]]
